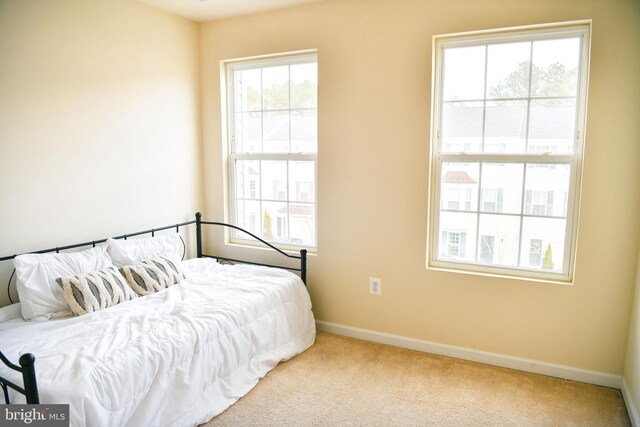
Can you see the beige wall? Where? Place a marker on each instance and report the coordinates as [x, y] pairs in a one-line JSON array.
[[99, 121], [374, 110], [632, 362]]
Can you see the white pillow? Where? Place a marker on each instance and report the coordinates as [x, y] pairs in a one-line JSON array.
[[10, 312], [199, 266], [132, 251], [40, 295]]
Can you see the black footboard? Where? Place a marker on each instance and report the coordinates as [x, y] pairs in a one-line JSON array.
[[302, 257], [28, 370]]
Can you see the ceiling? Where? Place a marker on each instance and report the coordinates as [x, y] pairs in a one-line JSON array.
[[207, 10]]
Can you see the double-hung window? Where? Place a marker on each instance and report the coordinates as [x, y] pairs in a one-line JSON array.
[[272, 140], [508, 125]]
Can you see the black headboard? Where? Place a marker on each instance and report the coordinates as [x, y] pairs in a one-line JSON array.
[[302, 270]]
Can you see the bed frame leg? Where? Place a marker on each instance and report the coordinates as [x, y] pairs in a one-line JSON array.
[[303, 265], [199, 234], [27, 361]]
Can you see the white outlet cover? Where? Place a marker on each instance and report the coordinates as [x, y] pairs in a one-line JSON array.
[[375, 286]]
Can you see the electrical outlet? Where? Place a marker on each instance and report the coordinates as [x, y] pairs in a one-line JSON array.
[[375, 286]]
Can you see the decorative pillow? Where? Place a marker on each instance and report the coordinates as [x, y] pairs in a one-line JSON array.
[[86, 293], [152, 275], [127, 252], [40, 296]]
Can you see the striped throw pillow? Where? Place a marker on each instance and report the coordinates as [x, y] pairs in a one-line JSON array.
[[152, 275], [89, 292]]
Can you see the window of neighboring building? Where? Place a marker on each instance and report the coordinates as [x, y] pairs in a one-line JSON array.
[[492, 200], [539, 202], [535, 253], [453, 199], [272, 139], [486, 249], [508, 125], [454, 243]]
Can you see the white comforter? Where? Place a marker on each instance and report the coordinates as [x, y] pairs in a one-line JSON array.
[[175, 358]]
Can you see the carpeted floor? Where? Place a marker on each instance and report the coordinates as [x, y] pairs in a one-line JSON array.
[[346, 382]]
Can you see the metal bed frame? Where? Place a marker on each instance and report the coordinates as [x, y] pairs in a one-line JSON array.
[[27, 360]]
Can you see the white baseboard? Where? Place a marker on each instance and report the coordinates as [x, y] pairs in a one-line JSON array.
[[632, 409], [517, 363]]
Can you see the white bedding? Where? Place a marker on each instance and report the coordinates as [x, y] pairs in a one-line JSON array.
[[174, 358]]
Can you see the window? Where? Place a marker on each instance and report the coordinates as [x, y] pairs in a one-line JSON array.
[[454, 243], [535, 253], [272, 139], [303, 190], [486, 249], [507, 144], [492, 200], [453, 201], [539, 202], [252, 224]]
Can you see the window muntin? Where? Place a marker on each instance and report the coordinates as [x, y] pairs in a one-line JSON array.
[[508, 117], [272, 138]]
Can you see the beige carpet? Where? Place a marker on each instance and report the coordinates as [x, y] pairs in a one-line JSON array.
[[346, 382]]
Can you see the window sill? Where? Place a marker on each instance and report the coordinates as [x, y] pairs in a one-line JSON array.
[[501, 276]]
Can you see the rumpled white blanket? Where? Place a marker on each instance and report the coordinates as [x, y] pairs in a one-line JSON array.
[[174, 358]]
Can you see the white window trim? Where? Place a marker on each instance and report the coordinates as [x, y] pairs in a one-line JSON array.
[[229, 156], [541, 32]]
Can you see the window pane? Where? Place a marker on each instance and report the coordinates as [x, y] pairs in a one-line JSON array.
[[464, 73], [501, 187], [457, 236], [508, 70], [505, 127], [462, 127], [248, 132], [504, 231], [247, 90], [276, 131], [555, 67], [304, 131], [302, 224], [546, 189], [552, 126], [304, 84], [543, 238], [302, 177], [459, 189], [247, 179], [275, 92], [274, 180]]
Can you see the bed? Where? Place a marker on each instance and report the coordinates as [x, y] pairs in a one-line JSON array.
[[175, 357]]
